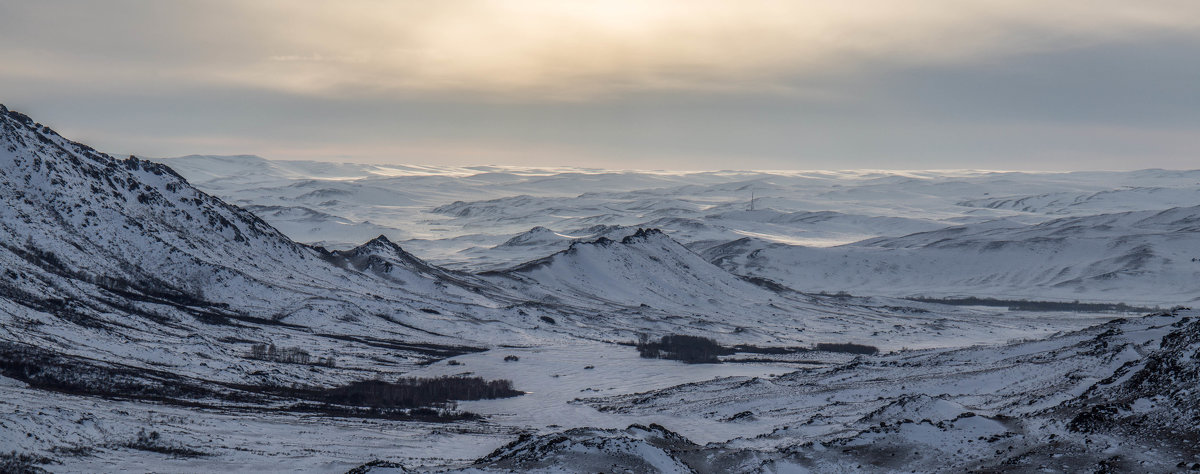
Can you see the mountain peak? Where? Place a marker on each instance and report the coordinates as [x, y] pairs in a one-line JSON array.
[[381, 240], [599, 242], [644, 235], [647, 267], [25, 120], [640, 236], [538, 235], [381, 246]]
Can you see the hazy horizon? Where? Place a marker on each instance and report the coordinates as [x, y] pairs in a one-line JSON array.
[[483, 167]]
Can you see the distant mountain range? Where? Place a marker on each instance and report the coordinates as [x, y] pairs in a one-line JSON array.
[[1088, 236]]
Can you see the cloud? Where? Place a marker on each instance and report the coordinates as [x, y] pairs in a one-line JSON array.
[[550, 50], [697, 84]]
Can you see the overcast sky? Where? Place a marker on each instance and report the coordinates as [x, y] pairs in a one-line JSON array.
[[695, 84]]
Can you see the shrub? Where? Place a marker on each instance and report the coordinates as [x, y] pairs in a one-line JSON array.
[[378, 463], [511, 358], [21, 462], [153, 442]]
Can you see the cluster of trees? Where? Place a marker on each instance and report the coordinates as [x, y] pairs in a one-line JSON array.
[[419, 392], [1027, 305], [847, 347], [702, 350], [690, 349], [290, 355], [13, 461]]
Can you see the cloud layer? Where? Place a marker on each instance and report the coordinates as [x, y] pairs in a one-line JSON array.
[[681, 84], [547, 49]]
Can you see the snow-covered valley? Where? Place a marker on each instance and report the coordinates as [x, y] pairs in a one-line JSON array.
[[236, 314]]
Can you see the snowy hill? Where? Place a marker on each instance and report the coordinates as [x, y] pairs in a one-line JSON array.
[[645, 268], [1138, 257], [536, 237], [1077, 203]]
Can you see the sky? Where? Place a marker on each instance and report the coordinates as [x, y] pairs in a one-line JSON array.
[[649, 84]]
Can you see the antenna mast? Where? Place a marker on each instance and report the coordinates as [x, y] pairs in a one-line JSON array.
[[751, 200]]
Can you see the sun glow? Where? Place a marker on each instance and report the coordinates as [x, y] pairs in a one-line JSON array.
[[569, 49]]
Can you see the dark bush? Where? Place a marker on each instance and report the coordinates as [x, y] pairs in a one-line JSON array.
[[419, 392], [769, 350], [22, 463], [690, 349], [511, 358], [73, 451], [445, 414], [153, 442], [702, 350], [378, 463], [46, 370], [847, 347]]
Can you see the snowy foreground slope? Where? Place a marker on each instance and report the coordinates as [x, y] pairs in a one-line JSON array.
[[1116, 398], [136, 312]]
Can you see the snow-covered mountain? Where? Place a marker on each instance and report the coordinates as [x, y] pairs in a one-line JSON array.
[[646, 268], [146, 324], [122, 261]]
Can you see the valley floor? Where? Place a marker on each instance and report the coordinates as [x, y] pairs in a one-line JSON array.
[[571, 386]]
